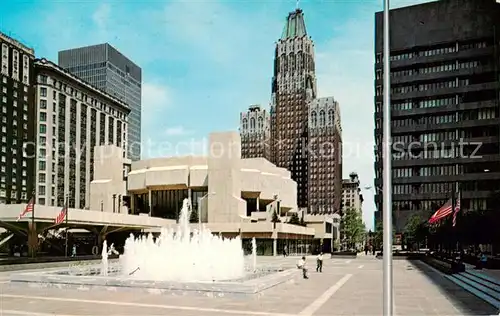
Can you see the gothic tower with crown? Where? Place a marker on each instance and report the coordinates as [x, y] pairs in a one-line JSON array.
[[304, 132]]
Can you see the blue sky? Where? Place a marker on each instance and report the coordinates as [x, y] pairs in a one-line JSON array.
[[204, 62]]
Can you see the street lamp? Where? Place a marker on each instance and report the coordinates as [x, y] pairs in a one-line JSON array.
[[386, 169]]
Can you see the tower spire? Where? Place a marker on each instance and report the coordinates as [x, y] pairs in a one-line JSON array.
[[297, 4], [295, 25]]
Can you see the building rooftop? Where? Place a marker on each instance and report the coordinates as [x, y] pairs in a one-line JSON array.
[[14, 42], [52, 66], [295, 25]]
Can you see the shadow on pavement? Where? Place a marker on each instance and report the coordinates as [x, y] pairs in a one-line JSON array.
[[466, 303]]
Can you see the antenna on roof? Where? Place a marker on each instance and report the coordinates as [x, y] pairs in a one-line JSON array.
[[297, 4]]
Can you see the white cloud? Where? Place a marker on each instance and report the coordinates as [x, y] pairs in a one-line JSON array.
[[155, 97], [101, 15], [177, 130]]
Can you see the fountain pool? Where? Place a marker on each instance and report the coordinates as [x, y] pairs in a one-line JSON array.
[[179, 259]]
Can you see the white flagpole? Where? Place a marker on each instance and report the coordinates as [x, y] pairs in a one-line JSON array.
[[387, 175]]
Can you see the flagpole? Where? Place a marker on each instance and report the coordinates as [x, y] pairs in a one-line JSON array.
[[33, 228], [67, 228], [388, 299]]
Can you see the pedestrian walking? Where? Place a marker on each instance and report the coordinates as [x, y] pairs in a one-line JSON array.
[[319, 262]]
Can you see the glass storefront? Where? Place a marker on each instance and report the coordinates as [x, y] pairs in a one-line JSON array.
[[166, 203]]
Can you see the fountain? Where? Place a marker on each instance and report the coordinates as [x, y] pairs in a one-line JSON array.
[[183, 255], [179, 259], [104, 262], [254, 254]]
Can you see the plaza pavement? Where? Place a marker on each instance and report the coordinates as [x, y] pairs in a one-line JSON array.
[[346, 287]]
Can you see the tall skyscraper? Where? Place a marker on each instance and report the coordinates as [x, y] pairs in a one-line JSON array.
[[73, 118], [444, 106], [107, 69], [17, 122], [305, 132]]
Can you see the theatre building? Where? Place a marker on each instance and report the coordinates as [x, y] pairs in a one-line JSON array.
[[232, 196]]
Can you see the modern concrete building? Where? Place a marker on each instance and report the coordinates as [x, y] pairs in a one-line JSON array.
[[72, 118], [232, 195], [17, 121], [106, 68], [311, 153], [445, 106], [351, 193]]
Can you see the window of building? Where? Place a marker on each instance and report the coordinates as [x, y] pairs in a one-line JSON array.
[[41, 165], [43, 128], [43, 92]]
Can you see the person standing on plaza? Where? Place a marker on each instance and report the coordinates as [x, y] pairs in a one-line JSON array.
[[319, 262], [302, 265]]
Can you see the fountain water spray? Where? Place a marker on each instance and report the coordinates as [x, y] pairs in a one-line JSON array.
[[254, 254], [104, 261], [183, 255]]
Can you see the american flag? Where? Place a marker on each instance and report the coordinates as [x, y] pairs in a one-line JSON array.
[[29, 208], [61, 216], [443, 211], [457, 209]]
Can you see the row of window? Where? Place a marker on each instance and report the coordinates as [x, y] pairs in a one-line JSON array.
[[430, 103], [451, 48], [15, 64], [426, 154], [446, 170], [77, 94], [471, 115], [448, 66], [425, 86]]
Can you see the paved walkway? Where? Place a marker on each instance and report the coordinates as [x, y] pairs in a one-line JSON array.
[[346, 287]]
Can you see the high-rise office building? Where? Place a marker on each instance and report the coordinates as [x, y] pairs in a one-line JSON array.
[[73, 118], [106, 68], [17, 121], [255, 133], [444, 106], [351, 193], [305, 132]]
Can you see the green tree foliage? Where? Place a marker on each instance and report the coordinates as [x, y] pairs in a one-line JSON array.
[[411, 231], [193, 217], [275, 218], [378, 238], [294, 219], [352, 227]]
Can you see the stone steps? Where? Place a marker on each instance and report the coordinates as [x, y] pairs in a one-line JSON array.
[[479, 284]]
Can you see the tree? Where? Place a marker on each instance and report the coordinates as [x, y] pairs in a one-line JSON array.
[[352, 227], [378, 238], [411, 230], [294, 219], [193, 217], [275, 218]]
